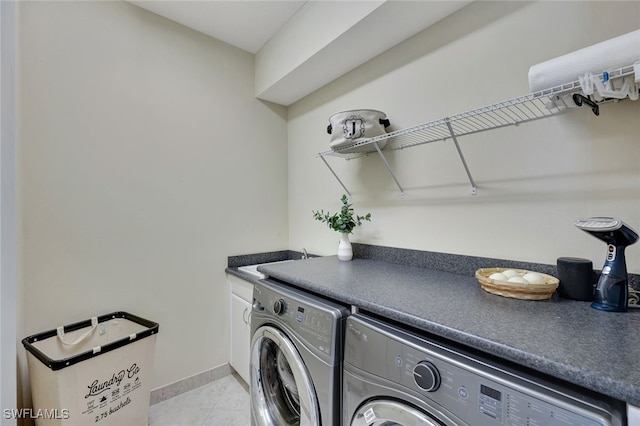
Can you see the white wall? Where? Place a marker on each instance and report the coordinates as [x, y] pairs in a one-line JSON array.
[[533, 180], [146, 162]]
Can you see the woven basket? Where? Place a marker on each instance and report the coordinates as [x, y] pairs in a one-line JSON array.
[[517, 290]]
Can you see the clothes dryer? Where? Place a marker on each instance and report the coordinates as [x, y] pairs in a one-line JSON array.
[[296, 357], [393, 376]]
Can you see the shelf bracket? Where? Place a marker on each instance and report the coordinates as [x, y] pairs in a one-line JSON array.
[[336, 176], [580, 99], [474, 189], [375, 144]]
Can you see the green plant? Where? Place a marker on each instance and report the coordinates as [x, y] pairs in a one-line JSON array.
[[343, 222]]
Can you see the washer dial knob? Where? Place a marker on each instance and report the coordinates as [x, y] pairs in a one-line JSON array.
[[279, 306], [426, 376]]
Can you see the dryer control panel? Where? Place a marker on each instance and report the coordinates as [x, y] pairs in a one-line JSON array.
[[466, 387], [316, 322]]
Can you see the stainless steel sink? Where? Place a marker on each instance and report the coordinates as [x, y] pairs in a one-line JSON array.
[[253, 269]]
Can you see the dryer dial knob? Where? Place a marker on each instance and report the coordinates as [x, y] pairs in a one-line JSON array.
[[426, 376], [279, 306]]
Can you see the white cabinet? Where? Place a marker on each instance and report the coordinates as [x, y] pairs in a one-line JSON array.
[[241, 298], [633, 415]]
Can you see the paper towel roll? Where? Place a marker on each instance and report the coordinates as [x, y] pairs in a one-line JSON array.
[[608, 55]]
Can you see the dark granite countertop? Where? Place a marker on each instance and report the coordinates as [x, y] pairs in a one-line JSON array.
[[562, 338]]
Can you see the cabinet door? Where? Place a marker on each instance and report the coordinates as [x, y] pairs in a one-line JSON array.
[[240, 336], [633, 414]]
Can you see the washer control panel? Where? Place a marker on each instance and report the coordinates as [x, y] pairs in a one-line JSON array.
[[473, 391], [426, 376], [313, 320]]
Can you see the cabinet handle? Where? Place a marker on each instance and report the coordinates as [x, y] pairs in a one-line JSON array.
[[245, 316]]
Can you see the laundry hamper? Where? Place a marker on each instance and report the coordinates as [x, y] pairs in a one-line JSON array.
[[96, 371]]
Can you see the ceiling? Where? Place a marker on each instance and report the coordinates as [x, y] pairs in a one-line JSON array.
[[241, 23], [301, 45]]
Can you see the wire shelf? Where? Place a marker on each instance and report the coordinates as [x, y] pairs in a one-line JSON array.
[[533, 106]]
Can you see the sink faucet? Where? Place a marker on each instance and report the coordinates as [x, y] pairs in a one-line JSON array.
[[304, 253]]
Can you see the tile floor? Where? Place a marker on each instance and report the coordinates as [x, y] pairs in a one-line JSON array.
[[224, 402]]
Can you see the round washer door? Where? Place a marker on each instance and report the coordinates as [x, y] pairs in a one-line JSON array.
[[390, 413], [282, 392]]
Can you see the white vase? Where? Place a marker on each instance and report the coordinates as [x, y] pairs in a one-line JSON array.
[[345, 252]]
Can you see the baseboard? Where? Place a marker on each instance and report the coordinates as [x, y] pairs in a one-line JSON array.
[[189, 383]]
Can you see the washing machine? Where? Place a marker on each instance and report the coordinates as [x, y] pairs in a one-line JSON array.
[[296, 357], [393, 376]]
